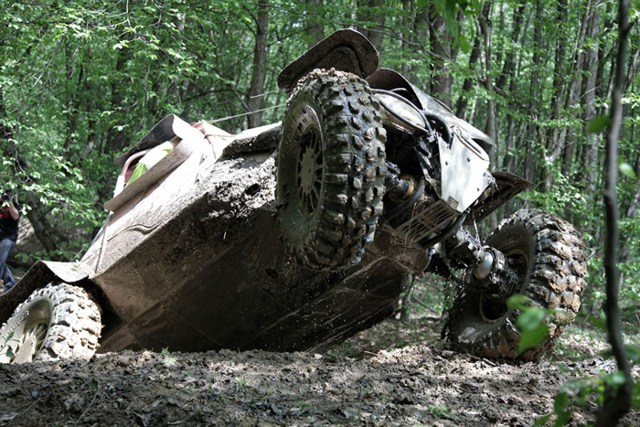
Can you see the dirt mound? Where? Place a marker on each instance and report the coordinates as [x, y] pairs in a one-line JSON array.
[[415, 385]]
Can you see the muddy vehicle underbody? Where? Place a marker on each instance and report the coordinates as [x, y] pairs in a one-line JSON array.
[[297, 235]]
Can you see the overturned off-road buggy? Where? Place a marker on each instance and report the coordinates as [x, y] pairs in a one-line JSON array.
[[297, 235]]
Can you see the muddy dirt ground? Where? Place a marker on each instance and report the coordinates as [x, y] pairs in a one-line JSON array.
[[395, 374]]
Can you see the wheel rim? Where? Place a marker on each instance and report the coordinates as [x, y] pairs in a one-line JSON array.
[[492, 310], [309, 168], [30, 334]]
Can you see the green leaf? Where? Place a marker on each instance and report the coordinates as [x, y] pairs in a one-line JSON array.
[[464, 44], [168, 359], [533, 337], [542, 420], [626, 169], [563, 418], [531, 318], [617, 379], [561, 401], [10, 352], [422, 3], [598, 124], [531, 325], [518, 301], [559, 405]]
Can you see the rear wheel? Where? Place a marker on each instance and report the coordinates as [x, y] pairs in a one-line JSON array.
[[331, 170], [546, 258], [55, 322]]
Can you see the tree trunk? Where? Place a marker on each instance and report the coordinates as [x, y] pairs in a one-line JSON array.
[[259, 69], [419, 36], [71, 101], [620, 401], [534, 130], [589, 163], [115, 141], [507, 75], [510, 60], [463, 99], [491, 127], [314, 28], [570, 139], [441, 45], [369, 13], [486, 27], [554, 143], [408, 20]]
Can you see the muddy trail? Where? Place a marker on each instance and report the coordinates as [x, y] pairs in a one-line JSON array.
[[365, 381]]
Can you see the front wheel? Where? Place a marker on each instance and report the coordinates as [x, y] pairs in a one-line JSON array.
[[547, 260], [331, 170], [55, 322]]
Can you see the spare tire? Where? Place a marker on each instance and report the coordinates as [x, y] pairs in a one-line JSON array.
[[331, 170], [548, 257], [55, 322]]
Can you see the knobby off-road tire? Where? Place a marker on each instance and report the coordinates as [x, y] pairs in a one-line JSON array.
[[331, 170], [55, 322], [550, 259]]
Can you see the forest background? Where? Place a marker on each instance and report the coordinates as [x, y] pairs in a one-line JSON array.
[[81, 81]]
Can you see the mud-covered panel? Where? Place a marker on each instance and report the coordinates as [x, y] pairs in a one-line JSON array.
[[217, 275], [119, 339], [226, 305], [387, 244], [506, 187], [160, 328], [356, 303], [237, 285], [126, 290], [264, 138], [188, 235]]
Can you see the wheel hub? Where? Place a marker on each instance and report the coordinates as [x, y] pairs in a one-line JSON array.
[[493, 304], [31, 342], [309, 171]]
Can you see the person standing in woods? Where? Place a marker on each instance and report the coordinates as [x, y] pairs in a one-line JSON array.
[[9, 218]]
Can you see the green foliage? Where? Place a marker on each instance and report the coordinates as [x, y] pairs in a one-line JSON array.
[[599, 124], [530, 322], [585, 392], [439, 410], [241, 384], [591, 391], [7, 348], [625, 168]]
